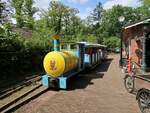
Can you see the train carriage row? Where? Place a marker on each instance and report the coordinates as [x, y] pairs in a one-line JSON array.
[[61, 64]]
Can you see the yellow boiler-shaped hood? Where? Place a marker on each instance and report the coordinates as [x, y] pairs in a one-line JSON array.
[[56, 63]]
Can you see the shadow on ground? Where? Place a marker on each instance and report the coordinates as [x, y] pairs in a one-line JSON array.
[[80, 81], [83, 80]]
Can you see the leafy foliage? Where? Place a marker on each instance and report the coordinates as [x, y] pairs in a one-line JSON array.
[[101, 26], [29, 11], [112, 42], [110, 24], [4, 12], [144, 10], [19, 53], [24, 12], [18, 6]]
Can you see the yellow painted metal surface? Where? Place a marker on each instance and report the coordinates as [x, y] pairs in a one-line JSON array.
[[56, 63], [56, 37]]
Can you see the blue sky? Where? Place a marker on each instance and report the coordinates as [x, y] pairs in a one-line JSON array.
[[86, 6]]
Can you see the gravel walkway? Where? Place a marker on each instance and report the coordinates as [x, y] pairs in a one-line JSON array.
[[99, 91]]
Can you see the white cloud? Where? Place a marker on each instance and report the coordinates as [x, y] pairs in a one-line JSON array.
[[13, 21], [42, 4], [83, 15], [78, 1], [133, 3], [54, 0], [88, 9]]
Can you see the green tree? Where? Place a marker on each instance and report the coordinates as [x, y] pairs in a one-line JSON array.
[[2, 8], [95, 20], [71, 21], [112, 42], [144, 10], [110, 26], [29, 11], [4, 12], [97, 13], [145, 2], [55, 15], [61, 20], [19, 16]]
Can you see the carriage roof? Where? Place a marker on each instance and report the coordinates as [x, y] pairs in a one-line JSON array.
[[92, 45]]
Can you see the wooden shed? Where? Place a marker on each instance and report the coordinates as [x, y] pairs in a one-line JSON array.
[[135, 45]]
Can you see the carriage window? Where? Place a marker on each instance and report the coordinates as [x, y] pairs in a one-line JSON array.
[[73, 46], [63, 46], [88, 50]]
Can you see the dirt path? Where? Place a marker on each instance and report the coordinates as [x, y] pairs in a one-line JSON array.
[[100, 91]]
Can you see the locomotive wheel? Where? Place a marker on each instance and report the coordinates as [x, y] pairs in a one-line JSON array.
[[129, 83], [144, 101]]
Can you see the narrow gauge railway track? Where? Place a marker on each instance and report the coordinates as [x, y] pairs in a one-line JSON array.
[[7, 92], [27, 81], [23, 99]]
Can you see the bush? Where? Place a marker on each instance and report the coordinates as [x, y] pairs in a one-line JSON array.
[[112, 42], [21, 56]]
